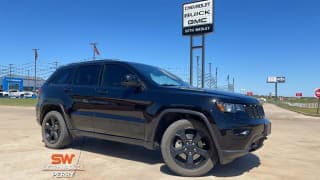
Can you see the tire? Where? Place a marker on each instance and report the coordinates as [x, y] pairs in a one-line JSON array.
[[180, 150], [55, 133]]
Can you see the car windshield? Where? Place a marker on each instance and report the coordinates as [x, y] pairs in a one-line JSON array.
[[159, 76]]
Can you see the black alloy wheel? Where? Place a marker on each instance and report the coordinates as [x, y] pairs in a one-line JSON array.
[[52, 130], [55, 133], [190, 148], [187, 148]]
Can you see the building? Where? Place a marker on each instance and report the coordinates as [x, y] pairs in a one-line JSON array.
[[19, 82]]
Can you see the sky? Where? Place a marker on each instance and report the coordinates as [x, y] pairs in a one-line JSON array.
[[252, 39]]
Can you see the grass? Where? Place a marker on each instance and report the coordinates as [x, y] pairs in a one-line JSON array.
[[18, 102], [306, 111], [301, 100]]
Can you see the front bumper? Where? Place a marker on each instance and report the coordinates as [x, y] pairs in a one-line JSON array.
[[238, 142]]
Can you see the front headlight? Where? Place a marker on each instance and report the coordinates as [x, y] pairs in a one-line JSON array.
[[230, 107]]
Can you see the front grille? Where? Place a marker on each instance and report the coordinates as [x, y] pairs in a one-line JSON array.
[[255, 111]]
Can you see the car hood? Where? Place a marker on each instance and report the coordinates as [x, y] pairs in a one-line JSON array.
[[220, 95]]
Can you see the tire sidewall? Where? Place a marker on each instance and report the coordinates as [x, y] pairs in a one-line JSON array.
[[170, 161]]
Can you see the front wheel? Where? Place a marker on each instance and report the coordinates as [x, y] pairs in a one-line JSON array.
[[55, 133], [187, 148]]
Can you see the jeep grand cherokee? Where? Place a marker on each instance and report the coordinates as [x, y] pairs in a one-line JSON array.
[[148, 106]]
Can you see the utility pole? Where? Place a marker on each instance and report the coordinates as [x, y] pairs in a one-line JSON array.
[[28, 77], [233, 85], [228, 79], [10, 70], [35, 68], [216, 78]]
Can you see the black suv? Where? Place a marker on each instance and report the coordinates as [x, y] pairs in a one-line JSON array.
[[148, 106]]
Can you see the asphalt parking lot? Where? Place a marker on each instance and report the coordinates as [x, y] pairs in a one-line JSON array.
[[291, 152]]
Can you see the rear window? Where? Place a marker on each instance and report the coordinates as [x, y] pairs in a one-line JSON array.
[[87, 75], [62, 76]]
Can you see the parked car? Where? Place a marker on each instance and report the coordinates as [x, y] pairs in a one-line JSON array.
[[148, 106], [13, 93], [4, 93], [29, 94], [262, 100]]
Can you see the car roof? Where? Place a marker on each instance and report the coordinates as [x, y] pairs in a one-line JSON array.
[[117, 61]]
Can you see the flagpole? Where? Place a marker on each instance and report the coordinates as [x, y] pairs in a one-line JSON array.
[[94, 51]]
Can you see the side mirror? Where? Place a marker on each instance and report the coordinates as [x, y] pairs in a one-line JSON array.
[[131, 81]]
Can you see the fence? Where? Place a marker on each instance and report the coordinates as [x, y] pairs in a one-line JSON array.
[[302, 105], [45, 69]]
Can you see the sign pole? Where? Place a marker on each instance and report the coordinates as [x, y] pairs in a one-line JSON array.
[[276, 90], [191, 60], [203, 61], [318, 105], [317, 95], [197, 20]]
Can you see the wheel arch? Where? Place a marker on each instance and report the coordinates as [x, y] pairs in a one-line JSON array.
[[168, 116], [46, 108]]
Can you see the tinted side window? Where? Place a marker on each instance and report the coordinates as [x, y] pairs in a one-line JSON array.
[[114, 75], [87, 75], [63, 76]]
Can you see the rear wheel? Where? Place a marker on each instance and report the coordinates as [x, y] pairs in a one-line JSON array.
[[55, 133], [187, 148]]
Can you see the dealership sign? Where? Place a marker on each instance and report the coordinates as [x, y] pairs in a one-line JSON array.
[[281, 79], [197, 17], [249, 93], [274, 79], [299, 94], [317, 93]]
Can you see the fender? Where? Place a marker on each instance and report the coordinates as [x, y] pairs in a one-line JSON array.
[[185, 111], [64, 114]]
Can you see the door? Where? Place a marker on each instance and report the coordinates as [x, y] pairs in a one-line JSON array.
[[82, 92], [120, 110]]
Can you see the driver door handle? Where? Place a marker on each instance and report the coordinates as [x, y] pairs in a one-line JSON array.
[[102, 91], [67, 89]]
